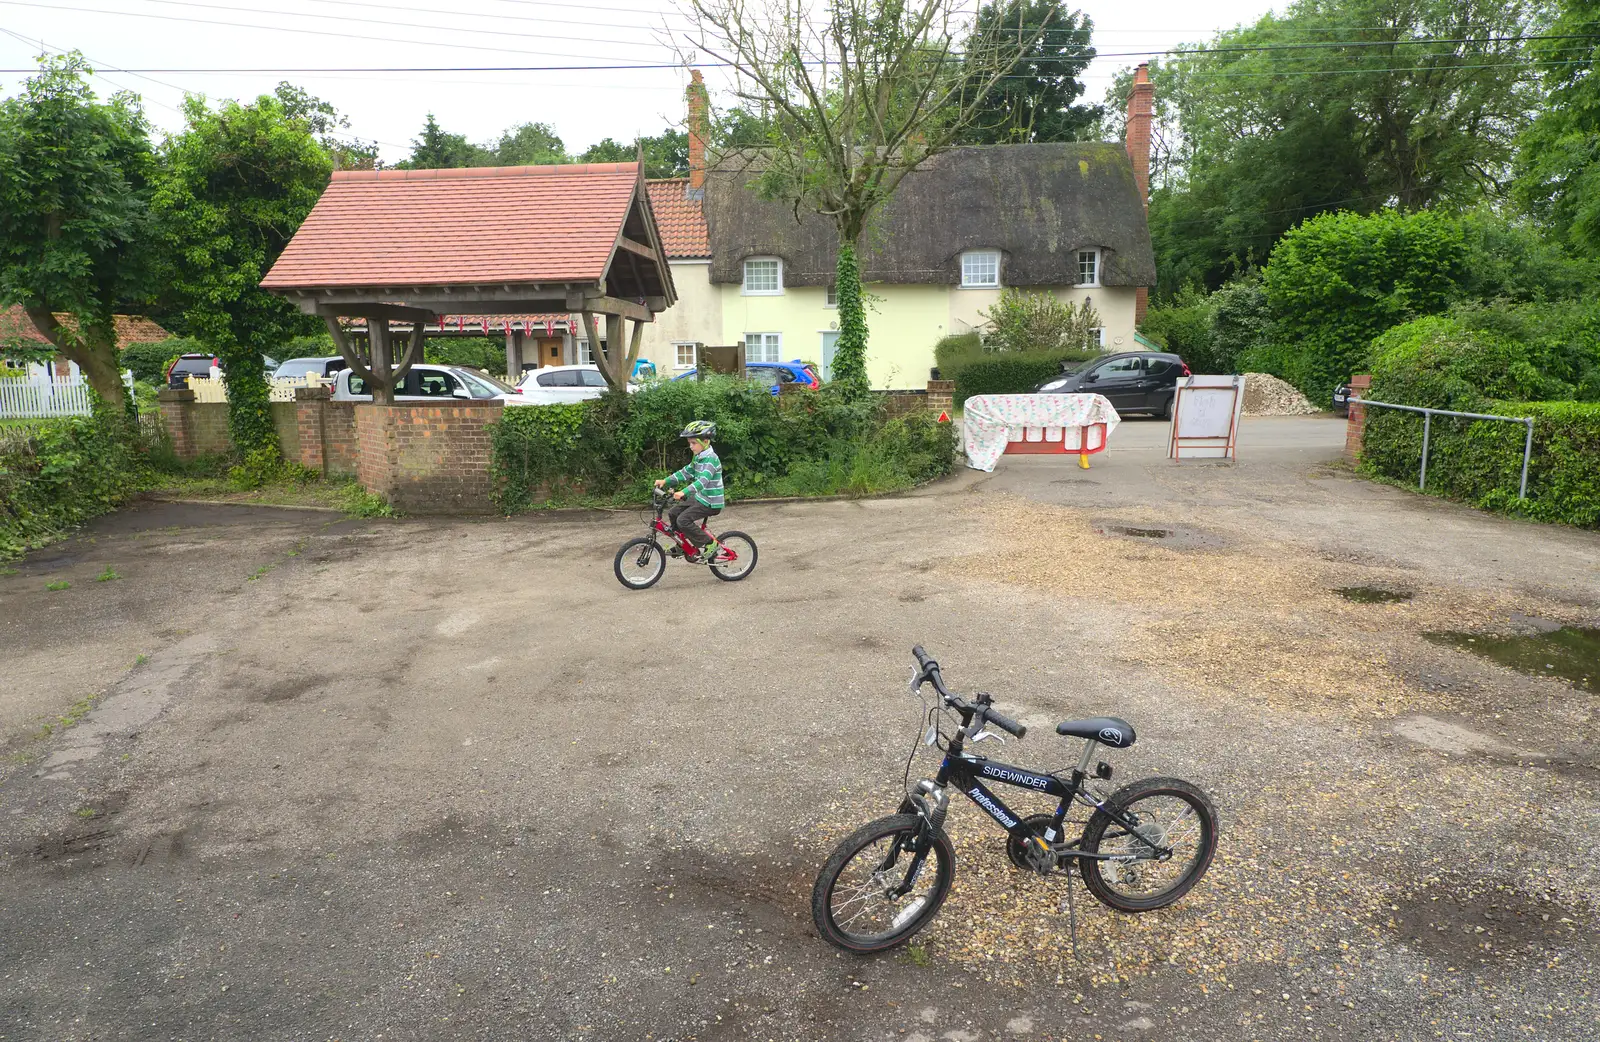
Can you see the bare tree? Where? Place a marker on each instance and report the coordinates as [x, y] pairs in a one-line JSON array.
[[860, 94]]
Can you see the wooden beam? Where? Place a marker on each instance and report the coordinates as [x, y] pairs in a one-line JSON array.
[[636, 247], [609, 306], [373, 311], [351, 357]]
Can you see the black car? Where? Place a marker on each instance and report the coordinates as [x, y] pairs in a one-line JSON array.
[[187, 366], [1132, 381], [1341, 399]]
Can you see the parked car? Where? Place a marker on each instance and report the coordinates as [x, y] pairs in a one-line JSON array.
[[185, 366], [324, 367], [425, 383], [1341, 399], [557, 384], [777, 374], [1132, 381]]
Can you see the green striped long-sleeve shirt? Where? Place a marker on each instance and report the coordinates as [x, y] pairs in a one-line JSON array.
[[702, 479]]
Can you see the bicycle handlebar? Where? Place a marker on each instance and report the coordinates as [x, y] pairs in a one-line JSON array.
[[980, 711]]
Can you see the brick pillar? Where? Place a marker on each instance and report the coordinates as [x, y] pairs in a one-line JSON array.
[[1355, 426], [374, 451], [941, 396], [699, 130], [177, 416], [310, 418]]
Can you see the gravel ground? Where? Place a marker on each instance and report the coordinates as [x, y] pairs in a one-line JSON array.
[[427, 780]]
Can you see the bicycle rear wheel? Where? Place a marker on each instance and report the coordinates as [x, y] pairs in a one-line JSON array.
[[1166, 813], [853, 903], [743, 549], [639, 563]]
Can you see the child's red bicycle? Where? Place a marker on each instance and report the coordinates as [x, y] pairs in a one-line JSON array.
[[641, 562]]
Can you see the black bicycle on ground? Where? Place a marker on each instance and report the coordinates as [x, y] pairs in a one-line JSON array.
[[1143, 847]]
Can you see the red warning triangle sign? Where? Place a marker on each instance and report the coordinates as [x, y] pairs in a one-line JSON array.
[[944, 417]]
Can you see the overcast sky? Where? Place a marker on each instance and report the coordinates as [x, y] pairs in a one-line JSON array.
[[582, 105]]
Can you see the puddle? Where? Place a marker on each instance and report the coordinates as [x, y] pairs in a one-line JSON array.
[[1137, 533], [1570, 652], [1372, 595]]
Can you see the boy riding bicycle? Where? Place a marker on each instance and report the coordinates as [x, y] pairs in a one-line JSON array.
[[702, 480]]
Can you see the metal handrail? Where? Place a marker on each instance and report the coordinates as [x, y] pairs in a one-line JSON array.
[[1427, 423]]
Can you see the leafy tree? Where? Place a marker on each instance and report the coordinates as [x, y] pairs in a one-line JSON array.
[[1042, 321], [235, 186], [738, 128], [436, 149], [1036, 102], [1335, 104], [325, 122], [860, 94], [665, 155], [74, 213], [1558, 165], [530, 144], [1339, 280]]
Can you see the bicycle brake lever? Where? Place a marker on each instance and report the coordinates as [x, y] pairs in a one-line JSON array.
[[983, 736]]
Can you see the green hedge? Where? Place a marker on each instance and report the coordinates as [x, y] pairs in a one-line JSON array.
[[1011, 372], [1480, 461], [610, 449], [60, 473]]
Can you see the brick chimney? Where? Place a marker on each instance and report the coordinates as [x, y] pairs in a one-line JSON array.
[[1141, 105], [699, 130]]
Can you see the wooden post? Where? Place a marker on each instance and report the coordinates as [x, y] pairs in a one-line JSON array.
[[633, 349], [514, 356], [378, 337], [613, 360]]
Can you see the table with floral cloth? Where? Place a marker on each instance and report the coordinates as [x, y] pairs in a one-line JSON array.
[[992, 421]]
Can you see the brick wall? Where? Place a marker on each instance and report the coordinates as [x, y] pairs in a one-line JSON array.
[[941, 396], [427, 458], [1355, 425], [901, 403], [325, 433], [283, 420], [196, 428]]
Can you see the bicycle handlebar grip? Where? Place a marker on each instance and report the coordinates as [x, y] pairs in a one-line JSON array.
[[1005, 723], [921, 656]]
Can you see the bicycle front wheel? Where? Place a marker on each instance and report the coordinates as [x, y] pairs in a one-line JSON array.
[[743, 557], [639, 563], [857, 904], [1166, 814]]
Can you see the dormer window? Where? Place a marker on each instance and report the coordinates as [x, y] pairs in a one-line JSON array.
[[980, 269], [763, 277], [1088, 267]]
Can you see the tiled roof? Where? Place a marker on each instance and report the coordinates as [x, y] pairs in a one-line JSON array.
[[681, 220], [131, 329], [509, 224]]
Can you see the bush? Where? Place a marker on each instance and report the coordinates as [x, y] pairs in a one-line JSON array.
[[1184, 327], [794, 444], [486, 353], [1022, 321], [1012, 372], [955, 351], [60, 473], [1339, 280], [149, 361]]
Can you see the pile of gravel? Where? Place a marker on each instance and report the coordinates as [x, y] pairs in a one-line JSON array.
[[1266, 395]]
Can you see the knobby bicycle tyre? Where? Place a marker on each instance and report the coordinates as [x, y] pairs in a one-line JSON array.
[[645, 561], [1177, 814], [836, 910], [745, 547]]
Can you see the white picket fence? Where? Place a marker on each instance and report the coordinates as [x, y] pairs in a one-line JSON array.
[[208, 390], [39, 399]]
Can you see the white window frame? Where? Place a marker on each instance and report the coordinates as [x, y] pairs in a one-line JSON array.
[[975, 280], [776, 291], [830, 295], [1093, 283], [585, 356], [776, 341], [1099, 334], [677, 354]]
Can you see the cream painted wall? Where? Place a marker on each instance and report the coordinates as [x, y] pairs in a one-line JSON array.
[[903, 322], [697, 316]]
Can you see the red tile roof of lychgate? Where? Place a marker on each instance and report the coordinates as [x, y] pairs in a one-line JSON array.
[[516, 224], [131, 329], [680, 219]]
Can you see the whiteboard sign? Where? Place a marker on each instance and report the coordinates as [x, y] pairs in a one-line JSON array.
[[1205, 417]]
